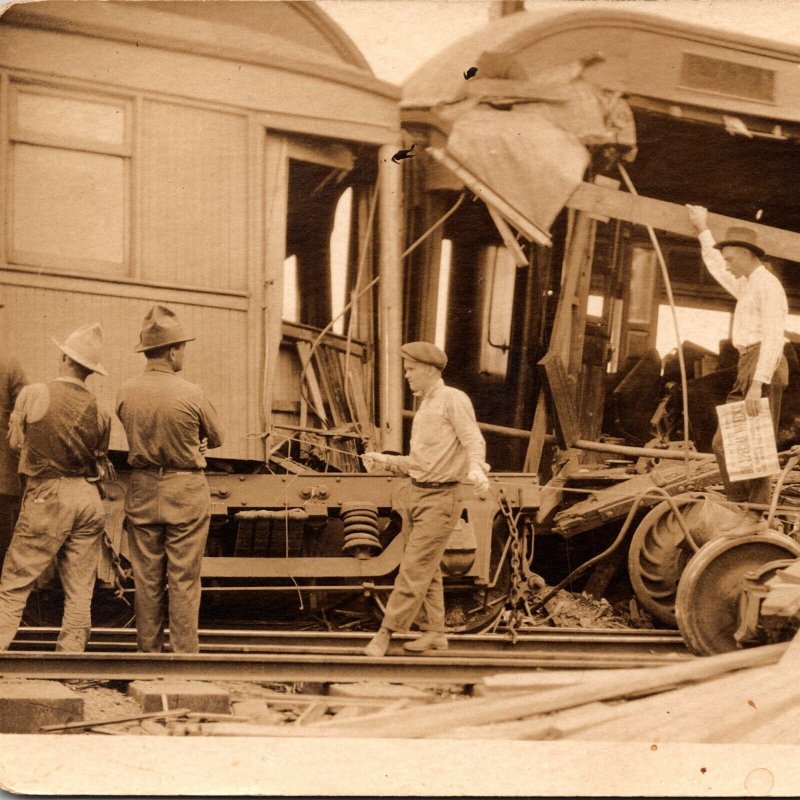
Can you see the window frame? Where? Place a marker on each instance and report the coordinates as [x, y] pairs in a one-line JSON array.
[[16, 134]]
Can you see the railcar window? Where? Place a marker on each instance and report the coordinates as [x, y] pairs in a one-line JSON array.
[[702, 326], [69, 165], [340, 256], [595, 305], [443, 294], [498, 272]]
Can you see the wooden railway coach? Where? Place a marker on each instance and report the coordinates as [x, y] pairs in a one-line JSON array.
[[234, 162]]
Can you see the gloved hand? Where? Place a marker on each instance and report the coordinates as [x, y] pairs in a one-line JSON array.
[[478, 477], [374, 461]]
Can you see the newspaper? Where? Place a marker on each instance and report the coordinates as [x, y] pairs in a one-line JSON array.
[[749, 442]]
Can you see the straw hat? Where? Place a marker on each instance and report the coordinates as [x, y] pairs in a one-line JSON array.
[[83, 346]]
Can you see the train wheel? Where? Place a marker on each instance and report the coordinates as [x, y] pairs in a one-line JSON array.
[[658, 555], [707, 601]]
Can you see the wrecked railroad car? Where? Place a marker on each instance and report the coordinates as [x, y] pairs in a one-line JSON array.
[[234, 161], [561, 169]]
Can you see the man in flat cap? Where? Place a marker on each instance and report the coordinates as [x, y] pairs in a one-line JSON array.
[[757, 333], [169, 423], [63, 438], [447, 447]]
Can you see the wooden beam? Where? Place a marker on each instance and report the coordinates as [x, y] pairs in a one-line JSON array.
[[674, 218], [563, 402]]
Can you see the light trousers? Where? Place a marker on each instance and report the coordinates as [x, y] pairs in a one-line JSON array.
[[418, 593], [64, 518], [168, 517]]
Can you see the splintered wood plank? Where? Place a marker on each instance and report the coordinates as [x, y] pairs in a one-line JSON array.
[[304, 352], [563, 403]]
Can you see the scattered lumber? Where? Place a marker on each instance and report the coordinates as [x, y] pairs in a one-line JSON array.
[[438, 719], [74, 726]]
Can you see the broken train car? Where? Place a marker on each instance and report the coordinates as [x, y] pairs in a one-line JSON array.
[[234, 161], [578, 134]]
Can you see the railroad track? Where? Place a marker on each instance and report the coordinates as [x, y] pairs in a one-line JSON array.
[[326, 657]]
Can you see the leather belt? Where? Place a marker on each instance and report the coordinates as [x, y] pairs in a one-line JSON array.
[[169, 470], [433, 484]]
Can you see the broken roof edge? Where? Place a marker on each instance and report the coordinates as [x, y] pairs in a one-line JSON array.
[[514, 33]]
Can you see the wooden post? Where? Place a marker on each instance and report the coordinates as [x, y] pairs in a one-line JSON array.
[[276, 170], [390, 294]]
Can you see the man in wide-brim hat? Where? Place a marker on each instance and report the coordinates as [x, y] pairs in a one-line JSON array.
[[757, 333], [169, 423], [63, 438]]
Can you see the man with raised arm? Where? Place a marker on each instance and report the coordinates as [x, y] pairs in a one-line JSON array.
[[757, 333], [447, 448]]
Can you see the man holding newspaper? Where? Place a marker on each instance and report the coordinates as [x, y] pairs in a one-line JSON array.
[[757, 333]]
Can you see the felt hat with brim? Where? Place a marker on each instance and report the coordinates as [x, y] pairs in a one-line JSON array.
[[741, 237], [425, 353], [83, 346], [159, 328]]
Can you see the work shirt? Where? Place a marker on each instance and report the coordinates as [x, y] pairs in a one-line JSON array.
[[12, 379], [165, 417], [445, 439], [60, 429], [761, 308]]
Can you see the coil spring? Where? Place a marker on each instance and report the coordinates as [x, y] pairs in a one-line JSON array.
[[361, 530]]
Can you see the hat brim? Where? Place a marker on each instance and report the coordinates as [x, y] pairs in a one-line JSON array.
[[753, 248], [140, 348], [79, 359]]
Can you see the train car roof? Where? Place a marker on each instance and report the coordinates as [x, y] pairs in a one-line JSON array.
[[644, 55], [286, 61], [293, 36]]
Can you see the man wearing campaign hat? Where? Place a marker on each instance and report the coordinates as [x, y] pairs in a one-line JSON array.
[[169, 424], [447, 448], [757, 333], [63, 438]]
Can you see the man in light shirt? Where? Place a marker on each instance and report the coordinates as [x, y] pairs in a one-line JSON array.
[[757, 333], [447, 447]]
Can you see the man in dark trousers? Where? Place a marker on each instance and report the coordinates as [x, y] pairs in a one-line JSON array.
[[757, 333], [447, 448], [12, 379], [63, 437], [168, 422]]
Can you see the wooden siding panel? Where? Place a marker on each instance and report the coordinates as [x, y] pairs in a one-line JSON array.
[[33, 315], [194, 196], [310, 103]]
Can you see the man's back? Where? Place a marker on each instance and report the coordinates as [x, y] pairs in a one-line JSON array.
[[165, 417], [61, 429]]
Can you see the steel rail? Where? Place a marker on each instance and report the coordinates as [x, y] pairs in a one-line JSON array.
[[449, 667], [337, 656], [564, 640]]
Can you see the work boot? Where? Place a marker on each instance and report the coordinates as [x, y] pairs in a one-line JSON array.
[[430, 640], [378, 644]]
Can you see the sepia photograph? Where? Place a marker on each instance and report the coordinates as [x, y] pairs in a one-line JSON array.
[[399, 398]]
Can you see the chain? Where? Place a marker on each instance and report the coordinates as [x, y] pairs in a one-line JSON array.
[[120, 573], [521, 575]]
